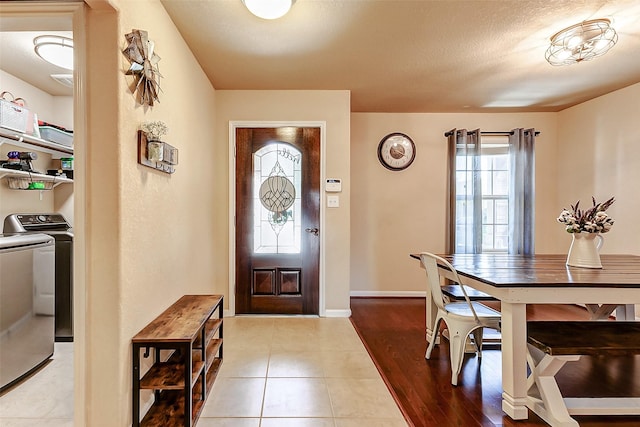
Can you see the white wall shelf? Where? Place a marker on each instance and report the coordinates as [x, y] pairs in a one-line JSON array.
[[33, 143], [34, 177]]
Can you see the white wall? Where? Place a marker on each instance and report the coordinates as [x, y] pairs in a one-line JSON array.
[[397, 213], [599, 152], [52, 109], [589, 149], [599, 155]]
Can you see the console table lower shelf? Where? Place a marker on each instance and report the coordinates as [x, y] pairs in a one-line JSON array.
[[187, 342]]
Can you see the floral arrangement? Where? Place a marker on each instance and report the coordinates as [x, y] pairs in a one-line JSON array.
[[592, 220], [155, 129]]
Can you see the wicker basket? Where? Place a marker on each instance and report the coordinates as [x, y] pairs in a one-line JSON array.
[[28, 184]]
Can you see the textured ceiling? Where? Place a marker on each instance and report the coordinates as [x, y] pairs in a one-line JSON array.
[[412, 56], [393, 55]]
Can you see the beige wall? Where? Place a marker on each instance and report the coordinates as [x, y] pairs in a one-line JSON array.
[[599, 153], [149, 235], [331, 107], [396, 213]]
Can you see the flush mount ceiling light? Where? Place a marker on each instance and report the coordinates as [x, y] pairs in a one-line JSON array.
[[56, 50], [581, 42], [269, 9]]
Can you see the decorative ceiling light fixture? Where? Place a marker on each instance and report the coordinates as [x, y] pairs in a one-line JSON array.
[[581, 42], [269, 9], [56, 50]]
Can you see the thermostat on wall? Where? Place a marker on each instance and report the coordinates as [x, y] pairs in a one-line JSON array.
[[333, 185]]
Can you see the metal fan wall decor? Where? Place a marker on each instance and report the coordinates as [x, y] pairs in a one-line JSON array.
[[144, 66]]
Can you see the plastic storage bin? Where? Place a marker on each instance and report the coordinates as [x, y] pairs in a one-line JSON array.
[[56, 135]]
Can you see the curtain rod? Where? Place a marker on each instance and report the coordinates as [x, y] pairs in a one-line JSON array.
[[493, 133]]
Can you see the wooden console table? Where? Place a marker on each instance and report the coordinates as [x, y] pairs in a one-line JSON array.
[[189, 337]]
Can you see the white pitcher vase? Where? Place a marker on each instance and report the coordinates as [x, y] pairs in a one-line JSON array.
[[585, 250]]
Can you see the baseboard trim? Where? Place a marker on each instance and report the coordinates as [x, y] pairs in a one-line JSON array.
[[389, 294], [328, 313], [337, 313]]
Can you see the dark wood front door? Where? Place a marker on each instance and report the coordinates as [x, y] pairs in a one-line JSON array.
[[277, 220]]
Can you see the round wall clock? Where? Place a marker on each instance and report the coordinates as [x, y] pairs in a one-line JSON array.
[[396, 151]]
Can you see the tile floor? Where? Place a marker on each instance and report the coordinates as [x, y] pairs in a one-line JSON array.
[[277, 372], [46, 398]]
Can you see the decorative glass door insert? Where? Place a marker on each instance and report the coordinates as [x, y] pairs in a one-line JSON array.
[[277, 223]]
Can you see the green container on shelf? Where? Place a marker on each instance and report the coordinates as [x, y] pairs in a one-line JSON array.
[[66, 163], [36, 186]]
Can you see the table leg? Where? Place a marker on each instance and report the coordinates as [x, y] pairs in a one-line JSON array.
[[626, 312], [600, 311], [514, 360]]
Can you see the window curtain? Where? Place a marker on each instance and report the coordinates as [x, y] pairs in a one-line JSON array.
[[522, 191], [464, 219]]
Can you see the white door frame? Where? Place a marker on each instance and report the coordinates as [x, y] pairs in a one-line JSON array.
[[233, 125], [75, 11]]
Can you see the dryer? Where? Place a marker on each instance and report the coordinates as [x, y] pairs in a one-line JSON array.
[[55, 225]]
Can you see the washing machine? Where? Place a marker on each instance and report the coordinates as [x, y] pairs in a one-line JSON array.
[[55, 225], [26, 305]]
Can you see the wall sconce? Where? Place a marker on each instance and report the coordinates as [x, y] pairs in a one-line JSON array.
[[158, 151], [269, 9], [56, 50], [581, 42], [156, 154]]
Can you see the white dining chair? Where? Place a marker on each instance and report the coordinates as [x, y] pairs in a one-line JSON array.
[[462, 318]]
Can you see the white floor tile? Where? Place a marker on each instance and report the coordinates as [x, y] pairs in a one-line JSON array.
[[296, 397], [229, 422], [298, 422], [277, 372], [235, 397]]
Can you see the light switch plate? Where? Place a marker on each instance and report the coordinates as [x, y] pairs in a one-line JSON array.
[[333, 201]]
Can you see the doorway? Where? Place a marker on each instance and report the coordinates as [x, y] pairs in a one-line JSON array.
[[66, 16], [277, 228]]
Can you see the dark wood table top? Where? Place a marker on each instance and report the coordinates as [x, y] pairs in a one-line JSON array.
[[542, 270]]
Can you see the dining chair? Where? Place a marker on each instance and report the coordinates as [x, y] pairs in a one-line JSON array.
[[462, 318]]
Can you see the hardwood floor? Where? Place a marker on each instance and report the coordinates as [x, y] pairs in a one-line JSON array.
[[393, 330]]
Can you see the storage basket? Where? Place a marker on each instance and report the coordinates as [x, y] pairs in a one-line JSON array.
[[14, 116], [28, 184], [56, 135]]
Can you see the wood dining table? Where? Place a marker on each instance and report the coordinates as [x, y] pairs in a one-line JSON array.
[[518, 280]]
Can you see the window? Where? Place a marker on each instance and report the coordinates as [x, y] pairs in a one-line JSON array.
[[491, 180], [277, 199], [494, 176]]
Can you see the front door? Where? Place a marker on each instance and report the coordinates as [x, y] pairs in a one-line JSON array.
[[277, 220]]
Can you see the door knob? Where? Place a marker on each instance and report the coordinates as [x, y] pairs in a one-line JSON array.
[[313, 231]]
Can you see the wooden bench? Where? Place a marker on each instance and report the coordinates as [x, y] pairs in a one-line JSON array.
[[454, 293], [190, 334], [552, 344]]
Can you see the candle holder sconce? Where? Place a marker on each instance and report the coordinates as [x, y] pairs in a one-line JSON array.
[[156, 154]]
